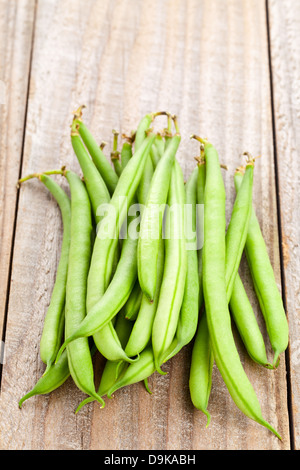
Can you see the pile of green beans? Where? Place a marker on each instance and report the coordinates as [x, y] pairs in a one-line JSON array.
[[148, 267]]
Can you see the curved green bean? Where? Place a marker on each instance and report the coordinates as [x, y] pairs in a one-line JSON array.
[[175, 268], [96, 187], [218, 316], [241, 308], [202, 359], [114, 297], [99, 196], [106, 341], [109, 345], [200, 212], [236, 234], [79, 356], [108, 238], [136, 372], [152, 219], [112, 369], [188, 318], [55, 376], [142, 327], [102, 164], [55, 316], [246, 323], [54, 320], [126, 153], [264, 281]]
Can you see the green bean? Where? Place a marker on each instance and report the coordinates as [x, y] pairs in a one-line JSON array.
[[188, 318], [102, 164], [55, 376], [154, 155], [136, 372], [175, 268], [264, 281], [126, 153], [159, 144], [54, 319], [112, 369], [111, 373], [142, 327], [200, 213], [141, 132], [147, 174], [104, 251], [109, 345], [107, 242], [157, 149], [106, 341], [237, 229], [144, 186], [114, 297], [218, 316], [79, 356], [133, 303], [244, 315], [96, 187], [246, 323], [202, 361], [152, 218]]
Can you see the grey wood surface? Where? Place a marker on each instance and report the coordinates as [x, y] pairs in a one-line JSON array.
[[230, 71]]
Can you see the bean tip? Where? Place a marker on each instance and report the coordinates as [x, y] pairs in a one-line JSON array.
[[200, 160], [240, 169], [202, 140], [115, 155], [102, 145], [78, 113]]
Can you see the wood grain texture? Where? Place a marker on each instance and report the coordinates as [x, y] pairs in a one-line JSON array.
[[285, 53], [16, 30], [207, 62]]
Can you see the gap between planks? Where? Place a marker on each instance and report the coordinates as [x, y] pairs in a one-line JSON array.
[[279, 225]]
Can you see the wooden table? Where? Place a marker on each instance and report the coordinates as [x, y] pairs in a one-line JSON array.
[[230, 70]]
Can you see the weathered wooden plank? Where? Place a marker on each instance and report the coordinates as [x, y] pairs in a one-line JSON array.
[[207, 62], [285, 53], [16, 29]]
